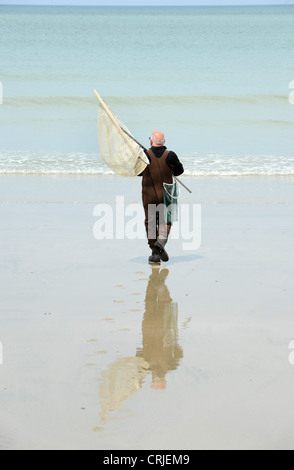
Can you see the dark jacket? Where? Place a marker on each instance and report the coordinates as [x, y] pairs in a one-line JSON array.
[[172, 160]]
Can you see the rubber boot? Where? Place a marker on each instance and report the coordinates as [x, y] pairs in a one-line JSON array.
[[160, 250], [154, 258]]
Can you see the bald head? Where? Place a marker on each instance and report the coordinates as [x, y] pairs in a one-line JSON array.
[[157, 139]]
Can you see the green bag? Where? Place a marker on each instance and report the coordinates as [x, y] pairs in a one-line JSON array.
[[170, 199]]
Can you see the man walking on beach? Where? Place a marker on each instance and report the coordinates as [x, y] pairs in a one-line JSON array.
[[163, 165]]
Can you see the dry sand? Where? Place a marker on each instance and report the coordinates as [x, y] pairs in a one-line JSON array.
[[100, 351]]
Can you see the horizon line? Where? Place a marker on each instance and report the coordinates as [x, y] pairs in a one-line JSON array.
[[151, 6]]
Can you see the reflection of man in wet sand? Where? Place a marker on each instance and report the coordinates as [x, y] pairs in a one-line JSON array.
[[159, 327], [159, 354]]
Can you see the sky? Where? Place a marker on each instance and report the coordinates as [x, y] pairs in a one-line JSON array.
[[147, 2]]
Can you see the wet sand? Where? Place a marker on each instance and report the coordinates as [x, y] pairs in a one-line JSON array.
[[100, 351]]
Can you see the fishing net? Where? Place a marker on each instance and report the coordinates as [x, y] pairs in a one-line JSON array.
[[118, 150], [170, 198]]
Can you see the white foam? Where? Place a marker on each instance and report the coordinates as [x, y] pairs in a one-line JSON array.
[[26, 162]]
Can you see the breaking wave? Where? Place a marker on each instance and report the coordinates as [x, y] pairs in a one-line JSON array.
[[196, 165]]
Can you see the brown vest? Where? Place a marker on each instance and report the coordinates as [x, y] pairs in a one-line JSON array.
[[155, 174]]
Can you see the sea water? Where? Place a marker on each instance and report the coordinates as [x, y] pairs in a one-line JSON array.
[[218, 81]]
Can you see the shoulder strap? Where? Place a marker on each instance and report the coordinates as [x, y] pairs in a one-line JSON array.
[[165, 153], [163, 156], [152, 158], [151, 154]]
